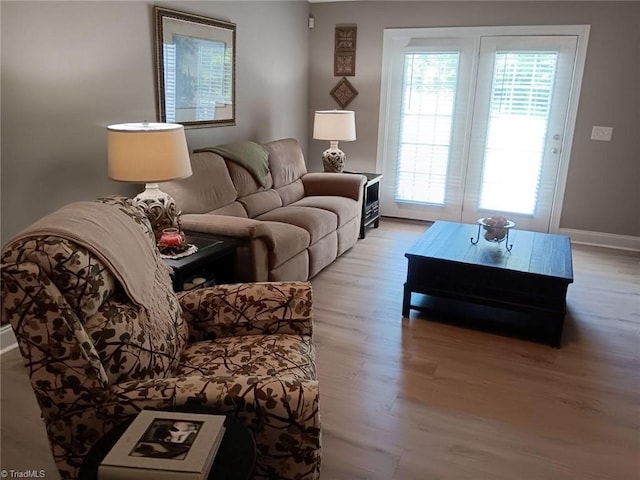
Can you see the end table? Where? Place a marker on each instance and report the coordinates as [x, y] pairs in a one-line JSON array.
[[235, 459], [370, 202], [212, 264]]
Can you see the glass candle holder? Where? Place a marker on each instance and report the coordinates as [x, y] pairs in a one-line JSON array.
[[171, 237]]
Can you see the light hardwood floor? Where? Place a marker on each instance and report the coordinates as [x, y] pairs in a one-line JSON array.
[[415, 399]]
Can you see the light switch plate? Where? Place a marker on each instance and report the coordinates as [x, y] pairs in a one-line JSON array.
[[601, 133]]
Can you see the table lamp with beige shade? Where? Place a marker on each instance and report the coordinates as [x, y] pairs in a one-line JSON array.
[[150, 153], [335, 126]]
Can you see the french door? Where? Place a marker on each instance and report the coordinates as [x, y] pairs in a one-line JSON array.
[[475, 124]]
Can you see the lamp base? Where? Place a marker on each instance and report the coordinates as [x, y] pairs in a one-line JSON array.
[[333, 159], [159, 207]]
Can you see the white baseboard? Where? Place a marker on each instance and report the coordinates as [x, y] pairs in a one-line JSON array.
[[599, 239], [7, 339]]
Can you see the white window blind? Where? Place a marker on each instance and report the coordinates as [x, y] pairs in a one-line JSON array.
[[169, 55], [426, 122], [521, 95], [211, 78]]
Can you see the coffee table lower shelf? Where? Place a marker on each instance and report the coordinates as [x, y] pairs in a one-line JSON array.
[[539, 326]]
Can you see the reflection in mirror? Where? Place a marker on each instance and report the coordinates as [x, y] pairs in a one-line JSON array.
[[195, 69]]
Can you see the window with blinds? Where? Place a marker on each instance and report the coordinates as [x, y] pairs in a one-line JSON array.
[[521, 94], [426, 122]]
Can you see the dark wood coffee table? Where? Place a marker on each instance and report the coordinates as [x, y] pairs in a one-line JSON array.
[[532, 279]]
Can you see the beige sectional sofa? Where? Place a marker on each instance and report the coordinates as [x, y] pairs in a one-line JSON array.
[[291, 227]]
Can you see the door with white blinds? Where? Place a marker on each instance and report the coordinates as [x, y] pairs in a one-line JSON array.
[[425, 128], [473, 125], [521, 101]]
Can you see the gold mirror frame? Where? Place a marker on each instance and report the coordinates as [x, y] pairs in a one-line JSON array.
[[195, 69]]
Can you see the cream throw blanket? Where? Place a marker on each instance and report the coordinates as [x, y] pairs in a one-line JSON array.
[[101, 229]]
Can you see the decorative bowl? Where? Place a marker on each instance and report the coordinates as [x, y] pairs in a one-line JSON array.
[[496, 228]]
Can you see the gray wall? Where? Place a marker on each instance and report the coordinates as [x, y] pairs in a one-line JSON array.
[[603, 186], [69, 69]]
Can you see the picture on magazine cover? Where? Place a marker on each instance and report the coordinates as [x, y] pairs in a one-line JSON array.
[[167, 439]]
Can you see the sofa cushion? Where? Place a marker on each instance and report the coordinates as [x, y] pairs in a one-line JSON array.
[[316, 221], [235, 209], [291, 193], [289, 241], [283, 356], [296, 267], [322, 253], [345, 208], [210, 187], [348, 235], [245, 183], [286, 161], [261, 202]]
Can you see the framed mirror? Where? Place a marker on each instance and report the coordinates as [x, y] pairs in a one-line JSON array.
[[195, 69]]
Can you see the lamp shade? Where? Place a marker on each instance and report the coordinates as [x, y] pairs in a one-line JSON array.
[[334, 125], [147, 152]]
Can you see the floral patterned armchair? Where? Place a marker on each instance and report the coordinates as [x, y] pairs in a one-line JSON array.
[[242, 350]]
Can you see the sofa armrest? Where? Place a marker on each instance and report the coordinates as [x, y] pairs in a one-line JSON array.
[[248, 309], [228, 226], [339, 184]]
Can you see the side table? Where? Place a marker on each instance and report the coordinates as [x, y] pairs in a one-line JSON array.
[[213, 263], [235, 459], [370, 202]]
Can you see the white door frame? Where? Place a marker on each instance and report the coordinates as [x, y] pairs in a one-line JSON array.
[[395, 35]]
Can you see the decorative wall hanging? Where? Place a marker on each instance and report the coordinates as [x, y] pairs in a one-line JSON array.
[[345, 64], [345, 51], [346, 38], [343, 92]]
